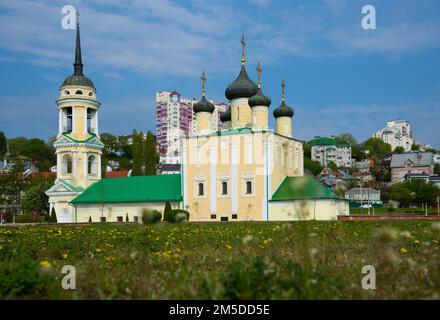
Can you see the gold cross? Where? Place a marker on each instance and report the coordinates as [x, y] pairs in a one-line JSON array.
[[242, 48], [259, 74], [283, 85], [203, 78]]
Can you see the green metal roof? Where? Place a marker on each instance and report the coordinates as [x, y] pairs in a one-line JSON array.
[[78, 189], [302, 188], [158, 188], [322, 141]]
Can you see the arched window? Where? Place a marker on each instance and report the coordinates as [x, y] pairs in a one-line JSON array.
[[224, 188], [66, 166], [248, 187], [92, 167], [66, 92], [69, 120], [91, 94], [201, 190], [78, 92]]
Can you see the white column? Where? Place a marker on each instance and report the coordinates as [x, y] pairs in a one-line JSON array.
[[234, 177], [96, 122], [59, 165], [99, 166], [60, 121], [213, 177], [183, 168], [85, 119], [85, 160], [265, 176], [74, 164], [73, 120]]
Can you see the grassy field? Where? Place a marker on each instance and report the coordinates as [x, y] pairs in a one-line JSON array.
[[302, 260]]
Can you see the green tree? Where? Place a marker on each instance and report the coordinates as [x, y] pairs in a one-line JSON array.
[[399, 150], [357, 152], [415, 147], [138, 152], [377, 148], [312, 166], [150, 154], [53, 216], [34, 149], [35, 198], [437, 169], [414, 191], [307, 151], [346, 138], [3, 145], [332, 166], [166, 211]]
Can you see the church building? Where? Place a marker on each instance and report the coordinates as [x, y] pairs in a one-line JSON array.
[[244, 172]]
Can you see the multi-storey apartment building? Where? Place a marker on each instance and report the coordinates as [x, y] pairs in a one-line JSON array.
[[326, 150], [397, 133], [175, 119]]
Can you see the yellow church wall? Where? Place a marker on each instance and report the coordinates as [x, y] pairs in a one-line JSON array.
[[112, 211], [307, 210], [240, 113], [260, 117], [283, 126], [248, 168]]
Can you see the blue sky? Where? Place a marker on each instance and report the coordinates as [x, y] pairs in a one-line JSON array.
[[339, 77]]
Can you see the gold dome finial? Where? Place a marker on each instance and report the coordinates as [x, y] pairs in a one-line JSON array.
[[259, 74], [283, 85], [203, 78], [242, 49]]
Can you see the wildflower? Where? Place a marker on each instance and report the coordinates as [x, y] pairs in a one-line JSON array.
[[248, 238], [416, 241], [434, 241], [133, 255], [98, 250], [64, 256], [45, 264], [403, 250], [386, 234], [229, 247]]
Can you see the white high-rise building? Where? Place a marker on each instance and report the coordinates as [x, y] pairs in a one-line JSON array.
[[397, 133], [175, 119]]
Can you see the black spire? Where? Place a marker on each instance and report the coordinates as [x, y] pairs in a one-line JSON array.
[[78, 65]]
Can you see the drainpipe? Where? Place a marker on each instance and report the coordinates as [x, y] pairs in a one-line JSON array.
[[267, 178]]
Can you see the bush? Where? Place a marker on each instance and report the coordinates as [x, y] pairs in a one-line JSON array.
[[28, 218], [177, 215], [391, 209], [151, 216]]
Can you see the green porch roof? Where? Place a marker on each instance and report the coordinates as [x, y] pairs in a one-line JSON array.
[[302, 188], [158, 188]]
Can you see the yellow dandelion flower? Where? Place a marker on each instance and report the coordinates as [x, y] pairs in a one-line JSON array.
[[403, 250], [416, 241], [434, 241], [229, 247], [45, 264], [98, 250], [64, 256]]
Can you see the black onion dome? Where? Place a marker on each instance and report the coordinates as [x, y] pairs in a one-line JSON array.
[[226, 116], [203, 105], [259, 99], [242, 87], [283, 111]]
